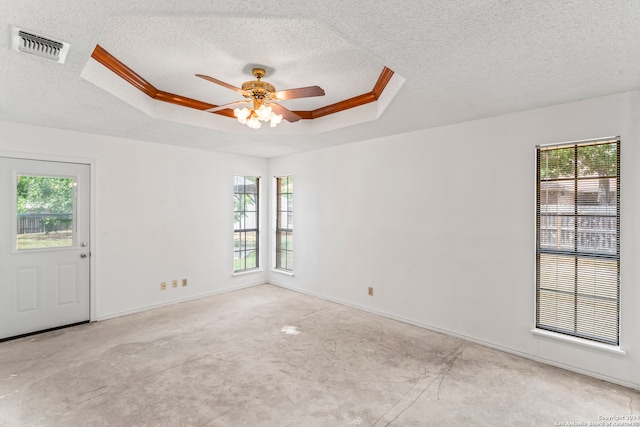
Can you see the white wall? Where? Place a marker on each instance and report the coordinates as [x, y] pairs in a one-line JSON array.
[[160, 213], [441, 223]]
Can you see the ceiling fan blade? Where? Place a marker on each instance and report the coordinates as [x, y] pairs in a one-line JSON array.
[[301, 92], [229, 105], [221, 83], [288, 115]]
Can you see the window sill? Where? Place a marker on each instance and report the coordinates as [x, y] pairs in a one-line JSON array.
[[244, 272], [285, 272], [579, 342]]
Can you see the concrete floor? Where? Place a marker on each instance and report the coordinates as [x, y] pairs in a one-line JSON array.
[[266, 356]]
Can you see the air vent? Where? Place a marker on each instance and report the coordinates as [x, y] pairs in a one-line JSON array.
[[29, 42]]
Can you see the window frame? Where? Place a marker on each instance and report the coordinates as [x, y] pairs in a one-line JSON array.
[[580, 255], [240, 231], [287, 230]]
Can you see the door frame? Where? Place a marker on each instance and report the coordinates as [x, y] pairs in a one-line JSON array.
[[93, 163]]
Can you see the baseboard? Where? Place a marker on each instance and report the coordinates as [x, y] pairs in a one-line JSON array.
[[467, 338], [176, 301]]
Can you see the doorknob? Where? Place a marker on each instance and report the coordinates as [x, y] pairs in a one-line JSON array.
[[83, 255]]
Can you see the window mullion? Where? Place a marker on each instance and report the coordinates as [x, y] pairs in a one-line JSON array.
[[575, 238]]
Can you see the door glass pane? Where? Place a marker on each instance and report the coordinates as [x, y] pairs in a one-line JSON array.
[[44, 212]]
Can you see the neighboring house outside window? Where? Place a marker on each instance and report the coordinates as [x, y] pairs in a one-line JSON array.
[[578, 240], [246, 220], [284, 223]]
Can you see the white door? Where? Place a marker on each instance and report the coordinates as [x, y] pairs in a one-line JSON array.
[[44, 245]]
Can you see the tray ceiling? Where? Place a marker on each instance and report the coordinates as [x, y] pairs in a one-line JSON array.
[[165, 53], [453, 62]]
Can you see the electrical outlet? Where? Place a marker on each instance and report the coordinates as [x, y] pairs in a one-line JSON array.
[[370, 291], [174, 283], [163, 286], [184, 282]]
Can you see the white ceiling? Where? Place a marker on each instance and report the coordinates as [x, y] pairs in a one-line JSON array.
[[458, 61]]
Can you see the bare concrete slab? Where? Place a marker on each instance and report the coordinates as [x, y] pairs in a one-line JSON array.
[[266, 356]]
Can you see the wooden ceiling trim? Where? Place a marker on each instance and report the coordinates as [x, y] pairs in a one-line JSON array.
[[126, 73], [359, 100], [112, 63], [384, 78], [183, 101], [305, 115], [356, 101]]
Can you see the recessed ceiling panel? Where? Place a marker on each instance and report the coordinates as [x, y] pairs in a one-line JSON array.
[[168, 51]]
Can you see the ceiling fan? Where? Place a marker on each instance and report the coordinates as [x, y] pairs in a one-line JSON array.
[[262, 99]]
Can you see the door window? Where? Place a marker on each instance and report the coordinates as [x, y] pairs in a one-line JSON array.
[[44, 212]]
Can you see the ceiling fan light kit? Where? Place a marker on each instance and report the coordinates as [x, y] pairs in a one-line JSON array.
[[264, 98], [253, 117]]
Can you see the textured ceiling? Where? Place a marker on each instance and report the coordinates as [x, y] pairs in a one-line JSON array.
[[167, 51], [459, 61]]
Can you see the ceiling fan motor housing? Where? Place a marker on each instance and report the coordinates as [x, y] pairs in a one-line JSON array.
[[258, 89]]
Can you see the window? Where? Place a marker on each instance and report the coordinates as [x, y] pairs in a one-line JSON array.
[[246, 216], [284, 223], [578, 240], [45, 212]]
